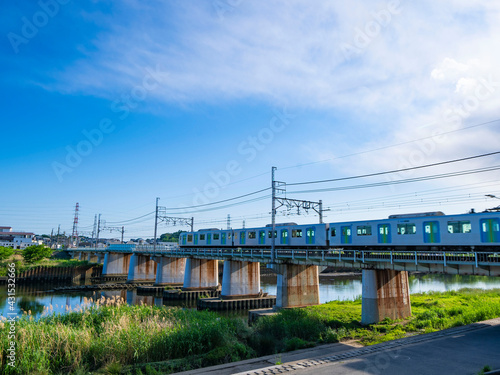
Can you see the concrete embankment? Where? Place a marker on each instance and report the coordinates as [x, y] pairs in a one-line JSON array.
[[57, 274]]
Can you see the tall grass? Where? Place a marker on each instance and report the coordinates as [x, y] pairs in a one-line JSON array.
[[102, 335]]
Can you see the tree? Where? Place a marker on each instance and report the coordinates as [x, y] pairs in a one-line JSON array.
[[170, 237], [35, 253], [5, 252]]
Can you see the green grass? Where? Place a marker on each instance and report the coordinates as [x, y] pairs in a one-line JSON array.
[[148, 340]]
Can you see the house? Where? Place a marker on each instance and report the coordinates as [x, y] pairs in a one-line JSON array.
[[16, 240]]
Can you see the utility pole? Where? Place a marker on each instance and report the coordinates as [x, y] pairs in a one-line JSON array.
[[98, 230], [58, 231], [228, 221], [161, 215], [156, 223], [123, 231], [74, 234], [243, 224], [320, 211], [273, 217], [52, 238], [94, 230]]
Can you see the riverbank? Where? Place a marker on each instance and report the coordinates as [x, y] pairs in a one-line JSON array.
[[115, 338]]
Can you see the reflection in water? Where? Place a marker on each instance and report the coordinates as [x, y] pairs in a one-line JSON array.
[[341, 288], [349, 288]]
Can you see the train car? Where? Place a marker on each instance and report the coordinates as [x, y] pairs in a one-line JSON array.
[[211, 237], [262, 237], [302, 236], [423, 231]]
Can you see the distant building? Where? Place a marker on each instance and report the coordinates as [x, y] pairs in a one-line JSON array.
[[16, 240]]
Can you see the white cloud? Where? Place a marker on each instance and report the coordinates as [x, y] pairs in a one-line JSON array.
[[422, 66], [449, 70]]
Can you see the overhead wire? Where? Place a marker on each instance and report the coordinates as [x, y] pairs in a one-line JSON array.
[[394, 171]]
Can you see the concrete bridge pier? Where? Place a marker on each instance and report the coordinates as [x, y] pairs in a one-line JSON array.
[[201, 274], [99, 257], [170, 271], [386, 294], [141, 268], [240, 280], [116, 264], [298, 285]]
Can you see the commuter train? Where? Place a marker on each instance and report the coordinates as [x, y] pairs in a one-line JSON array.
[[421, 231]]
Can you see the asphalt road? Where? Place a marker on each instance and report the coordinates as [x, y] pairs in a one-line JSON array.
[[462, 350], [464, 353]]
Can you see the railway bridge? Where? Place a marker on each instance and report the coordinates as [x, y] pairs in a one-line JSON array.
[[385, 291]]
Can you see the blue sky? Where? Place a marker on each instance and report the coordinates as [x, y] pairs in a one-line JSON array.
[[112, 104]]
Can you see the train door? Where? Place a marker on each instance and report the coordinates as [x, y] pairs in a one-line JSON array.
[[310, 236], [490, 230], [284, 237], [209, 238], [184, 239], [223, 238], [196, 239], [346, 234], [384, 233], [431, 232], [262, 237], [242, 238]]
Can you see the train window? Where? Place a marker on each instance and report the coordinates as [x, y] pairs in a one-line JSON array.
[[216, 236], [190, 238], [364, 230], [459, 226], [407, 229], [229, 236], [346, 231], [297, 233], [271, 236], [202, 237], [333, 232], [252, 235]]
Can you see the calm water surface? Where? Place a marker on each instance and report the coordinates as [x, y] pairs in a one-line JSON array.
[[38, 299]]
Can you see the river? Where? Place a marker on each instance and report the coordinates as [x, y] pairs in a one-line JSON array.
[[40, 300]]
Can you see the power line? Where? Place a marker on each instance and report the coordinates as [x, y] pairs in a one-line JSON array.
[[222, 201], [136, 218], [404, 181], [395, 170]]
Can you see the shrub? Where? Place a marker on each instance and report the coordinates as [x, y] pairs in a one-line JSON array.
[[35, 253], [6, 252]]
